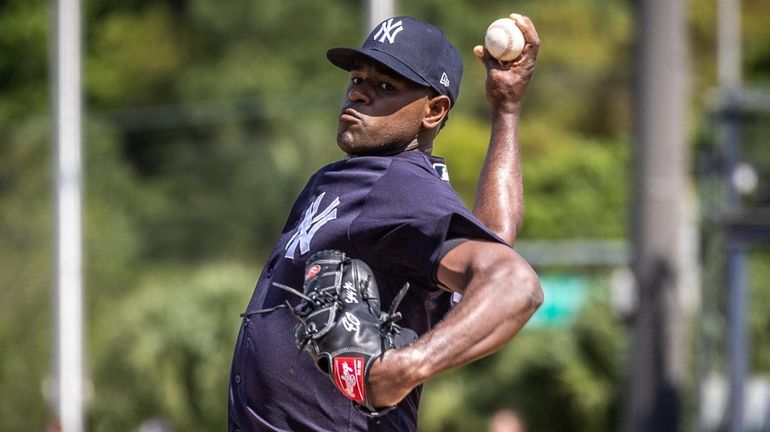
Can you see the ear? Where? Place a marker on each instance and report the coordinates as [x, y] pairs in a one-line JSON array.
[[438, 107]]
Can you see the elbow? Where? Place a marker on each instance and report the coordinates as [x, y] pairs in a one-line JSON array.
[[509, 282], [525, 291], [535, 290]]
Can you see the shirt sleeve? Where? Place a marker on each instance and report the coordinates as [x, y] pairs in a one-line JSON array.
[[408, 217]]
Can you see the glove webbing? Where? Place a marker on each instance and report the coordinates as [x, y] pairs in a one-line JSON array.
[[285, 305], [392, 317]]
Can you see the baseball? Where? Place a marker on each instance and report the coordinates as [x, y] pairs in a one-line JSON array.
[[504, 39]]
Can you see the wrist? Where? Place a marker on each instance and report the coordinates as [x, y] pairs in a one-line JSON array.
[[413, 366], [393, 376], [506, 109]]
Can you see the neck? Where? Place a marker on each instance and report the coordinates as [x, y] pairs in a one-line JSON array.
[[423, 142]]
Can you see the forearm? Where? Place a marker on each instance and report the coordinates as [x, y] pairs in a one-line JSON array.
[[479, 325], [500, 293], [500, 193]]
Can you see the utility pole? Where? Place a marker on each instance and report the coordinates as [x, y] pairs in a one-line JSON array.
[[68, 369], [660, 214], [729, 75], [376, 11]]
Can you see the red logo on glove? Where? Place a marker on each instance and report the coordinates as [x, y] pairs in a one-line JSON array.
[[349, 377], [312, 272]]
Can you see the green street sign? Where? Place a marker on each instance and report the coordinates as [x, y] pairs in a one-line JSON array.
[[564, 296]]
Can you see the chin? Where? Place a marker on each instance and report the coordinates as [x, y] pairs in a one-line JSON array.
[[354, 147], [356, 151], [346, 145]]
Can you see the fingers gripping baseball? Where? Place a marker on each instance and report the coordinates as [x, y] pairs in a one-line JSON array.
[[342, 326], [508, 80], [531, 45]]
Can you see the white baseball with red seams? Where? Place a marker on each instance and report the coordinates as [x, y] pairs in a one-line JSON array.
[[504, 40]]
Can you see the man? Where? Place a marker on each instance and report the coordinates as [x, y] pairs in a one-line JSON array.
[[389, 204]]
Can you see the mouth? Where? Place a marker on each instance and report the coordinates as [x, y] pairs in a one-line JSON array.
[[350, 115]]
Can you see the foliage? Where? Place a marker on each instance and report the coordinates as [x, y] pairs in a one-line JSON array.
[[569, 176], [159, 342], [206, 118], [572, 371], [759, 321], [25, 307]]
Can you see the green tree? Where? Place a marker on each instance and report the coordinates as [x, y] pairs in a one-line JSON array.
[[166, 347]]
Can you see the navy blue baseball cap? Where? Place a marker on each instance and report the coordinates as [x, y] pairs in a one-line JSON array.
[[416, 50]]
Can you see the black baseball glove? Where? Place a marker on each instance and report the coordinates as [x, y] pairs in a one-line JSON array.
[[342, 326]]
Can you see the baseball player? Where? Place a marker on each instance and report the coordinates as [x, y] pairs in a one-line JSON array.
[[389, 204]]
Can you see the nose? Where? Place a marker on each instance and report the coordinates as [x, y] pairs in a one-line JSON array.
[[356, 93]]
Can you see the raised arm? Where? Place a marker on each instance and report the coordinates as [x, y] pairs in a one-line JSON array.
[[500, 193], [500, 290]]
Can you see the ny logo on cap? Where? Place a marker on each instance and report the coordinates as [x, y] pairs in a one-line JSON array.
[[388, 31]]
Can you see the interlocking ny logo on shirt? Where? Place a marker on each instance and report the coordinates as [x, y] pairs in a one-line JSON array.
[[311, 223], [388, 31]]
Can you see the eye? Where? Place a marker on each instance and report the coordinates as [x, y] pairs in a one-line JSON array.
[[356, 80], [385, 86]]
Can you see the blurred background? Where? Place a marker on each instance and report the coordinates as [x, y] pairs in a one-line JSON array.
[[203, 119]]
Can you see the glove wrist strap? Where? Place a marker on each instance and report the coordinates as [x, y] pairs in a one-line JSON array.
[[373, 412]]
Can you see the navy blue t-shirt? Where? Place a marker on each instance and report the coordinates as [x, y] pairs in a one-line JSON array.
[[393, 212]]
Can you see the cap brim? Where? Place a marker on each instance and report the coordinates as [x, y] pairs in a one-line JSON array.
[[346, 58]]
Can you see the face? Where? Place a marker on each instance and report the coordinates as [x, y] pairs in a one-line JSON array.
[[382, 112]]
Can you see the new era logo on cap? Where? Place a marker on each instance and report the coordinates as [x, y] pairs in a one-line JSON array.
[[444, 79], [416, 50]]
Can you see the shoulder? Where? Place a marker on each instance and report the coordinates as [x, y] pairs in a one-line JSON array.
[[412, 189], [359, 165], [415, 173], [348, 175], [414, 162], [423, 176], [420, 164], [408, 172]]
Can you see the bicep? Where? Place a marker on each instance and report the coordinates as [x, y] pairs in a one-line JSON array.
[[461, 263]]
